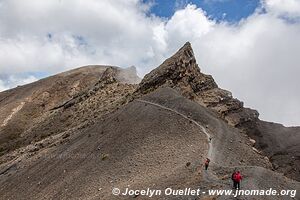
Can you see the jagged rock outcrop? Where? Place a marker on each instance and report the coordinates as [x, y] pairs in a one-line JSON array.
[[181, 72], [109, 76]]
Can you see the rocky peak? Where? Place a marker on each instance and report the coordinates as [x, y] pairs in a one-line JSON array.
[[181, 72], [180, 69]]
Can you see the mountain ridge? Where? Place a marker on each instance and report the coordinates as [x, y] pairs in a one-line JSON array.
[[182, 73], [89, 124]]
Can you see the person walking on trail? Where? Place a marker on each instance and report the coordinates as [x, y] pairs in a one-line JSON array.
[[233, 178], [236, 178], [206, 163], [210, 138]]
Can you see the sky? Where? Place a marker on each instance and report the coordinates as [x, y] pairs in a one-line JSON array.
[[229, 10], [250, 47]]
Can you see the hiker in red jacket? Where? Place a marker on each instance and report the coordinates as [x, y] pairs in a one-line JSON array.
[[236, 178], [206, 163]]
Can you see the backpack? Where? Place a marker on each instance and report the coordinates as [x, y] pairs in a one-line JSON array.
[[233, 176], [207, 161]]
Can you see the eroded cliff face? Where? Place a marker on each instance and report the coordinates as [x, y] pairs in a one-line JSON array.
[[181, 72]]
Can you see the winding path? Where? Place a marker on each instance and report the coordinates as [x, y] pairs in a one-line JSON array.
[[207, 174], [254, 183], [210, 147], [210, 153]]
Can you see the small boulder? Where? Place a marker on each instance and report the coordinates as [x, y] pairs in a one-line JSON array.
[[256, 150], [252, 142], [188, 164]]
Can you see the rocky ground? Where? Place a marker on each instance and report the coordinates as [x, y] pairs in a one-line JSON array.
[[78, 134]]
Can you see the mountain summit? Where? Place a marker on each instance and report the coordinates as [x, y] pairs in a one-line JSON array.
[[179, 70], [81, 133]]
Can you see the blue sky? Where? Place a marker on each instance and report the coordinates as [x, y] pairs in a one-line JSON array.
[[229, 10]]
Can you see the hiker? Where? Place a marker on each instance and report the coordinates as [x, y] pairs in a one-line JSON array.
[[206, 163], [236, 178], [232, 178]]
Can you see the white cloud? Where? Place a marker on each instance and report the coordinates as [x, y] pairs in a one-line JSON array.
[[289, 8], [2, 86], [257, 61], [16, 80], [56, 35], [186, 24], [255, 58]]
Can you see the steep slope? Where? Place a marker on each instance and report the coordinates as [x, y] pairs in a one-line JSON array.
[[141, 145], [281, 144], [30, 113], [182, 73], [135, 143], [112, 133]]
